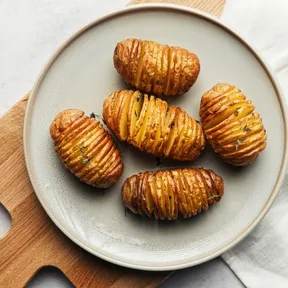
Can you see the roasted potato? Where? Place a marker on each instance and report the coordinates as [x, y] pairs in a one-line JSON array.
[[86, 149], [231, 125], [155, 68], [152, 126], [168, 193]]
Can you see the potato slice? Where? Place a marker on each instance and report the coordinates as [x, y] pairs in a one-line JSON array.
[[144, 132], [152, 125], [122, 127], [160, 112], [140, 121], [175, 130], [134, 112]]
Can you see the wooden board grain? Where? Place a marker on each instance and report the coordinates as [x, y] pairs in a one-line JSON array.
[[33, 240]]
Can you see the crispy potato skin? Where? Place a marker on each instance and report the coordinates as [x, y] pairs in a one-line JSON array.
[[158, 129], [231, 125], [166, 194], [86, 149], [155, 68]]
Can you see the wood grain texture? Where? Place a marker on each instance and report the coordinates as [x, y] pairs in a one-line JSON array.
[[213, 7], [33, 240]]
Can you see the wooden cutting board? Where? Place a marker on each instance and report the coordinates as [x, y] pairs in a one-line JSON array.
[[33, 240]]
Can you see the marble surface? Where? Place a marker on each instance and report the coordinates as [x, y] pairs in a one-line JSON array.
[[29, 33]]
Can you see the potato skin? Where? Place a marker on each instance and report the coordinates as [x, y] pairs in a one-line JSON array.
[[231, 125], [166, 194], [86, 149], [155, 68], [158, 129]]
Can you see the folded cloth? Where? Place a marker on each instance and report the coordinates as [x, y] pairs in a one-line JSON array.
[[261, 260]]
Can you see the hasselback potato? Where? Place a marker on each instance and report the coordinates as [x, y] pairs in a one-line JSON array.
[[152, 126], [86, 149], [231, 125], [155, 68], [168, 193]]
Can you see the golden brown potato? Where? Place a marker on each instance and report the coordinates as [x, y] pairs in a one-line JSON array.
[[168, 193], [231, 125], [152, 126], [155, 68], [86, 149]]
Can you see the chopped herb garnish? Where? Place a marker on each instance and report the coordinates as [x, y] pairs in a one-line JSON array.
[[246, 128], [158, 161], [238, 141], [213, 196], [138, 98], [236, 112], [95, 116], [85, 160], [83, 149]]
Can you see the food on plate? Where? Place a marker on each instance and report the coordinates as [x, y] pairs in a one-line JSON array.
[[166, 194], [231, 125], [151, 125], [155, 68], [86, 149]]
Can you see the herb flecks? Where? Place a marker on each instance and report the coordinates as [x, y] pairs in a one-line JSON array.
[[246, 128], [138, 98], [172, 124], [238, 141], [85, 160], [236, 111], [135, 113], [95, 116], [158, 161], [213, 196], [83, 149]]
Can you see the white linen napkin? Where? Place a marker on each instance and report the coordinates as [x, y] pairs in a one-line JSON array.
[[261, 260]]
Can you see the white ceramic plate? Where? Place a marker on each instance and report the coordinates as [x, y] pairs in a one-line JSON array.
[[81, 74]]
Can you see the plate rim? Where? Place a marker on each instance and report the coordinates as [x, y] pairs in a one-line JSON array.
[[270, 73]]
